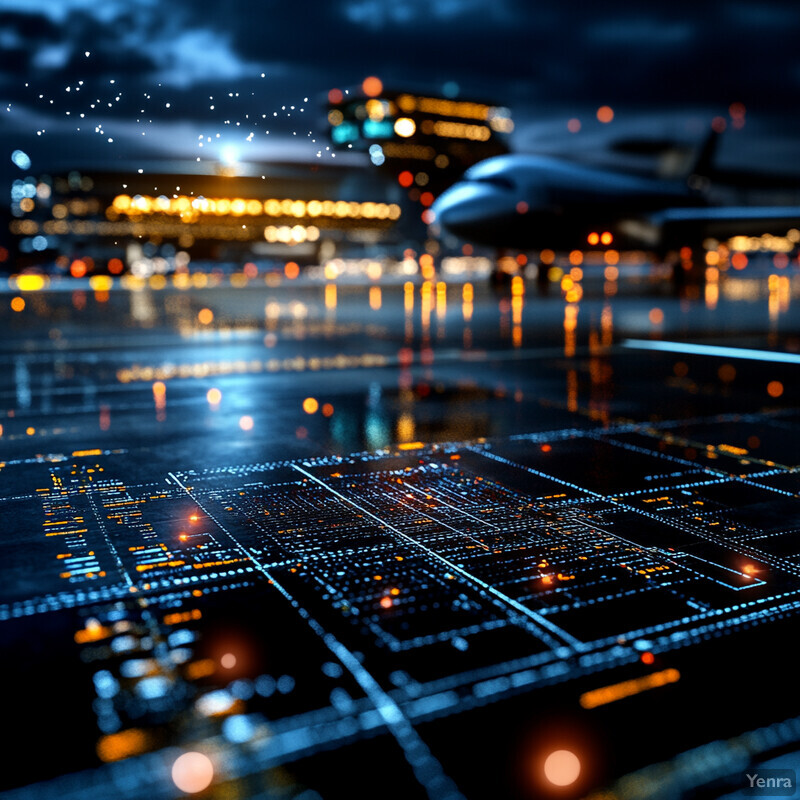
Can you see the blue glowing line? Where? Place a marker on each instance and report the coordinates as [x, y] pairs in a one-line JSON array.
[[771, 356]]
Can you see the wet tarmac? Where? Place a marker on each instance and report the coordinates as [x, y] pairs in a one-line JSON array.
[[375, 535]]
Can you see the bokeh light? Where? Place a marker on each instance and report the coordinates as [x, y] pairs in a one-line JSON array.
[[192, 772], [562, 767]]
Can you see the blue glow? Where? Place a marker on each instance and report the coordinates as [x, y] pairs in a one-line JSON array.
[[151, 688], [238, 729], [770, 356], [451, 89], [229, 155], [377, 129], [105, 684], [21, 159], [346, 132]]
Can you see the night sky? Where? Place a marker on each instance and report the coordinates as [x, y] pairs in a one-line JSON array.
[[662, 66]]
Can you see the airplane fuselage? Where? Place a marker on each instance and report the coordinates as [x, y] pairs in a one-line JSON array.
[[530, 202]]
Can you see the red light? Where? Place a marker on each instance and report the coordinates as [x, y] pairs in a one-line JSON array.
[[718, 124], [546, 448], [648, 658], [522, 207], [739, 260], [3, 254], [405, 179], [115, 266], [426, 198], [736, 110], [335, 96]]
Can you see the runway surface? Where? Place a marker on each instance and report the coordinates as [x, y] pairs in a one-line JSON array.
[[386, 536]]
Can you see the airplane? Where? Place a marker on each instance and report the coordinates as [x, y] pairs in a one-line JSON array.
[[530, 202]]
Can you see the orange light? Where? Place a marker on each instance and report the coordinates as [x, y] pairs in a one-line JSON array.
[[405, 178], [546, 448], [214, 396], [648, 658], [372, 86], [606, 238], [605, 114], [386, 602], [291, 270], [246, 423], [656, 316], [619, 691], [310, 405], [327, 410], [116, 746], [562, 767], [739, 260], [17, 304], [115, 266], [749, 569], [205, 316], [77, 268], [574, 125], [774, 388], [593, 238]]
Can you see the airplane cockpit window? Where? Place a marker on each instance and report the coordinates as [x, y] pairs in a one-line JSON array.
[[496, 180]]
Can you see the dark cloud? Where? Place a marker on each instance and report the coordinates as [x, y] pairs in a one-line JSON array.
[[534, 56]]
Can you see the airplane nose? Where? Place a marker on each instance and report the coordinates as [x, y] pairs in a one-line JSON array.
[[470, 203]]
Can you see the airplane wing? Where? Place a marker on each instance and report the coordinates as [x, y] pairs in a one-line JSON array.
[[683, 225]]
